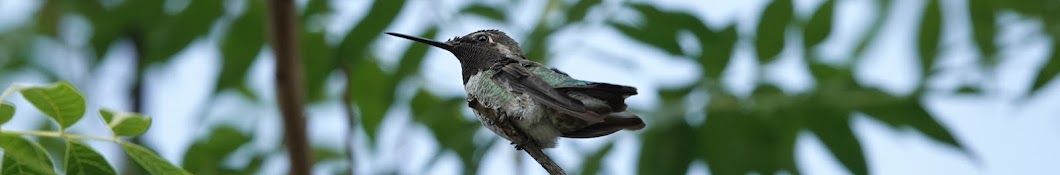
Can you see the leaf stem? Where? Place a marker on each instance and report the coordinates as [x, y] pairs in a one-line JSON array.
[[58, 134]]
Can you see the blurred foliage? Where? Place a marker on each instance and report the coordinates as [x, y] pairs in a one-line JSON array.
[[738, 134]]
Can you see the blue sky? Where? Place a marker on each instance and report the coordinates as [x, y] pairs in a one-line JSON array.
[[1005, 134]]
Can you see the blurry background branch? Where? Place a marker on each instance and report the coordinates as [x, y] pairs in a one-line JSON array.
[[284, 30]]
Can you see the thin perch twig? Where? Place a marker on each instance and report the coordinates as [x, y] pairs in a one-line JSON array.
[[531, 148], [289, 83]]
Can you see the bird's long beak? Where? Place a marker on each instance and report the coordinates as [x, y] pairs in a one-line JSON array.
[[424, 41]]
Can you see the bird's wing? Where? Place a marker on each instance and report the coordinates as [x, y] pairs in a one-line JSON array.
[[523, 80]]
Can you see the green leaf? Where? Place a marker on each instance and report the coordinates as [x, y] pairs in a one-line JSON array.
[[485, 11], [577, 12], [60, 101], [206, 156], [667, 149], [380, 15], [414, 55], [769, 39], [736, 140], [124, 123], [7, 111], [317, 63], [241, 46], [450, 128], [1049, 71], [314, 7], [168, 37], [23, 157], [82, 159], [930, 30], [832, 128], [911, 113], [594, 162], [369, 92], [659, 28], [149, 160], [984, 28], [820, 25], [717, 50]]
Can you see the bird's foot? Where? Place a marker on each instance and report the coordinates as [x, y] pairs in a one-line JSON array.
[[519, 146]]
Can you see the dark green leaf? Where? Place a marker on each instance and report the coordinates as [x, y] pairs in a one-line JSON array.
[[206, 156], [369, 90], [667, 149], [357, 39], [717, 50], [451, 130], [769, 39], [48, 18], [241, 46], [984, 28], [315, 7], [168, 37], [820, 25], [149, 160], [23, 157], [930, 29], [414, 55], [325, 154], [577, 12], [735, 140], [7, 111], [60, 101], [1049, 71], [485, 11], [910, 112], [969, 89], [659, 28], [82, 159], [594, 162], [317, 63], [832, 128], [124, 123]]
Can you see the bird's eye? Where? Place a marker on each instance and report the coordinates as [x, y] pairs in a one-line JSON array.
[[482, 38]]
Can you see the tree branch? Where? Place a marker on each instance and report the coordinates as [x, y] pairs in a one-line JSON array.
[[530, 147], [289, 83]]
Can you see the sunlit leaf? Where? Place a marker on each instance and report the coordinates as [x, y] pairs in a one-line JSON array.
[[206, 155], [60, 101], [820, 25], [769, 37], [149, 160], [23, 157], [485, 11], [1048, 71], [7, 111], [241, 46], [124, 123], [594, 162], [930, 29], [832, 128], [82, 159]]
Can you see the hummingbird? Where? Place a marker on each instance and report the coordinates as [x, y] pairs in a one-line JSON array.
[[543, 103]]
